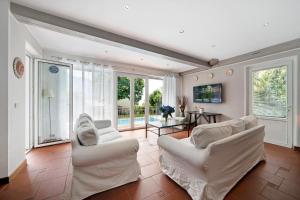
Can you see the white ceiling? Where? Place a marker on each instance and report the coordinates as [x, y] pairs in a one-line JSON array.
[[234, 27], [73, 45]]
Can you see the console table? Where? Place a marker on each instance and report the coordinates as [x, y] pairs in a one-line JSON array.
[[208, 116]]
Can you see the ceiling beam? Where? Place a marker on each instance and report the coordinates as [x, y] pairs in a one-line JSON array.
[[286, 46], [32, 16]]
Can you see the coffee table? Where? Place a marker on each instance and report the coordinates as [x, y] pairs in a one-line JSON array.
[[157, 126]]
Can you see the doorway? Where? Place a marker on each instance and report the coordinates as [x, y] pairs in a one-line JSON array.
[[53, 97], [138, 100], [270, 99]]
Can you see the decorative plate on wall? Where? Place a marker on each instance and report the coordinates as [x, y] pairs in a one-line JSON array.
[[18, 67], [229, 72]]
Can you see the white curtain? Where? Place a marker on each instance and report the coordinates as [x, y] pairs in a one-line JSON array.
[[169, 91], [92, 90]]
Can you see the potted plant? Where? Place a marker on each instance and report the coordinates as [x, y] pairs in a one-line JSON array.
[[167, 111]]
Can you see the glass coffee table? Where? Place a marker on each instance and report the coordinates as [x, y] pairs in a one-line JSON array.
[[158, 126]]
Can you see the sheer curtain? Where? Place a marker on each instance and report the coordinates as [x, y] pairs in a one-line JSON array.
[[169, 91], [92, 90]]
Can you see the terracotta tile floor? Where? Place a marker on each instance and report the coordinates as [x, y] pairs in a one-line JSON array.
[[48, 175]]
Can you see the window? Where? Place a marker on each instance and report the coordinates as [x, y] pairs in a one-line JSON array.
[[269, 92]]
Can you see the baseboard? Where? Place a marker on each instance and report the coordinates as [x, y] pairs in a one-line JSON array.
[[19, 168], [297, 148], [4, 180]]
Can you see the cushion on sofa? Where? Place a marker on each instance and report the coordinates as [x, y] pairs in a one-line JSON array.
[[86, 132], [86, 115], [203, 135], [109, 137], [250, 121], [237, 125], [104, 131]]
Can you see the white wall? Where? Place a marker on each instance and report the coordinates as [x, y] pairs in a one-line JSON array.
[[16, 97], [4, 54], [17, 103], [234, 89]]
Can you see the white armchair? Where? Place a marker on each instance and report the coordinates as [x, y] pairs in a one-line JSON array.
[[108, 164]]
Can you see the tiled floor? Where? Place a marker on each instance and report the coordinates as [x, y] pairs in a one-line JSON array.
[[49, 173]]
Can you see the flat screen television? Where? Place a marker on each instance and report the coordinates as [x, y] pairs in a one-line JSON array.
[[208, 93]]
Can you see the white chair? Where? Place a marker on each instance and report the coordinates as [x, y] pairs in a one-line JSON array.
[[110, 163]]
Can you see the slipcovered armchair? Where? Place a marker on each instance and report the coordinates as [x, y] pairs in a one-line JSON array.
[[110, 163]]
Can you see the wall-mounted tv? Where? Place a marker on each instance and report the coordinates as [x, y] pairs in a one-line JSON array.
[[208, 93]]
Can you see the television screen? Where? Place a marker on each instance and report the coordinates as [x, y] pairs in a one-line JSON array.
[[208, 93]]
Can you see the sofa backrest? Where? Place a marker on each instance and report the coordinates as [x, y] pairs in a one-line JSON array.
[[235, 150]]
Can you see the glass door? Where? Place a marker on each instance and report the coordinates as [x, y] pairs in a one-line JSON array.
[[138, 100], [123, 102], [54, 102], [155, 98], [139, 103], [270, 99]]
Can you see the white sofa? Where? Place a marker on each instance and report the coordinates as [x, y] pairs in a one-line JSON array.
[[210, 173], [110, 163]]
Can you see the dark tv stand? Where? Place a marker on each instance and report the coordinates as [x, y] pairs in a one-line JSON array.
[[208, 116]]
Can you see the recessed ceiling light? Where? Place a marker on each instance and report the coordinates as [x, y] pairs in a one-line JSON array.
[[213, 46], [181, 31], [126, 7], [266, 24]]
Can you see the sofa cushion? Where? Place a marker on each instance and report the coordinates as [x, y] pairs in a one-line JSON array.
[[250, 121], [86, 132], [237, 125], [203, 135], [108, 137], [107, 130]]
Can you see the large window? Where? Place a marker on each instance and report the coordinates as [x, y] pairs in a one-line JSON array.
[[269, 92]]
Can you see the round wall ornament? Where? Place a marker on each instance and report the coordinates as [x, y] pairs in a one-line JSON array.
[[229, 72], [18, 67], [195, 77], [53, 69], [210, 75]]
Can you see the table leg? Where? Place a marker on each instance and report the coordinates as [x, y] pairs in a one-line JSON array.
[[215, 119], [146, 129], [196, 119], [190, 121], [158, 132]]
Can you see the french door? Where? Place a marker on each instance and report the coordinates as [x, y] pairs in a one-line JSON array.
[[138, 100], [270, 99], [53, 102]]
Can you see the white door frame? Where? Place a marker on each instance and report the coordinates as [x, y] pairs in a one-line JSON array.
[[36, 102], [31, 101], [289, 62]]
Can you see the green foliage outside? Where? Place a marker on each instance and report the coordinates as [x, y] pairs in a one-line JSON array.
[[269, 92], [155, 99], [124, 89]]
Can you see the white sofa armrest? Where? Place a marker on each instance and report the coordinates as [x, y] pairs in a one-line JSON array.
[[188, 153], [91, 155], [99, 124]]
